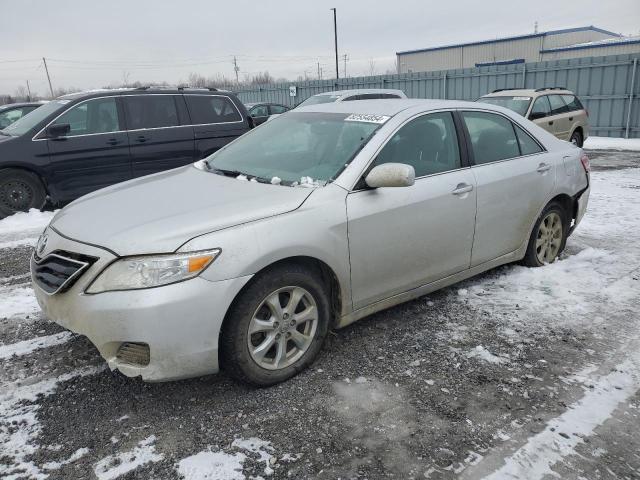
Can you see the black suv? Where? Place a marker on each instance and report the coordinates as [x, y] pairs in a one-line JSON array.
[[81, 142]]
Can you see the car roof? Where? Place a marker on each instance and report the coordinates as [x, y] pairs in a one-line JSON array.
[[359, 91], [389, 107], [528, 92], [20, 104], [143, 91]]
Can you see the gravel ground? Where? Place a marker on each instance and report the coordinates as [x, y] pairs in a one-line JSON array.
[[457, 384]]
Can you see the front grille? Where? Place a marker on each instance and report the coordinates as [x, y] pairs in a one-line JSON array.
[[134, 353], [59, 270]]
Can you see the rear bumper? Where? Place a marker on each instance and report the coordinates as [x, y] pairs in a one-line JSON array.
[[581, 207], [180, 322]]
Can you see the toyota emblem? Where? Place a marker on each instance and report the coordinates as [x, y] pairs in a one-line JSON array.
[[42, 243]]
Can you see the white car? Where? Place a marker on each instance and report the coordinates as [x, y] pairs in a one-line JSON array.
[[350, 95]]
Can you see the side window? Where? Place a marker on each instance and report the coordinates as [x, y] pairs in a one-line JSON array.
[[492, 137], [557, 105], [528, 145], [540, 108], [428, 143], [259, 111], [212, 109], [572, 102], [93, 116], [276, 109], [150, 111], [386, 96], [352, 98], [7, 118]]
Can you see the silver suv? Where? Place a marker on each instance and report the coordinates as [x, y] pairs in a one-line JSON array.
[[316, 219], [555, 109], [355, 94]]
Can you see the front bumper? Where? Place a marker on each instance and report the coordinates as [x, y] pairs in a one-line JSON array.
[[179, 322]]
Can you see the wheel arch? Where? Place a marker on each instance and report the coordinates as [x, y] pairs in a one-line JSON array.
[[29, 169]]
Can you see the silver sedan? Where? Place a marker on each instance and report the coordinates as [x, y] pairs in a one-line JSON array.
[[329, 213]]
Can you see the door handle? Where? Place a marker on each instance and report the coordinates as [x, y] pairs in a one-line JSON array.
[[462, 188], [141, 138], [571, 119], [551, 122], [543, 167], [112, 141]]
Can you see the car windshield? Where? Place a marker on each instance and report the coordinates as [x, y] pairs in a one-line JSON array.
[[306, 149], [318, 99], [519, 105], [30, 120]]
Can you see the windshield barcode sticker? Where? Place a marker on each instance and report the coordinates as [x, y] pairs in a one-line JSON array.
[[360, 117]]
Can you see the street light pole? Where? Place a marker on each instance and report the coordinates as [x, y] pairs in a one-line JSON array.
[[335, 35]]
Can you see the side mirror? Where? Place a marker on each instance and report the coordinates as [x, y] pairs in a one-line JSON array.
[[58, 130], [536, 115], [391, 175]]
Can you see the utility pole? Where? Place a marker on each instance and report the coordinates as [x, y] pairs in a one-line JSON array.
[[29, 91], [335, 36], [344, 57], [319, 73], [48, 77], [236, 68]]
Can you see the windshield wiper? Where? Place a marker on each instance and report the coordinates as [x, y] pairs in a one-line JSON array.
[[3, 133]]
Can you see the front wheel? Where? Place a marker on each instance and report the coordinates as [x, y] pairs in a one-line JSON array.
[[548, 237], [20, 191], [276, 327]]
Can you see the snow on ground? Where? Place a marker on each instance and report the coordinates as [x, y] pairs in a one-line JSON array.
[[17, 300], [23, 228], [484, 354], [610, 143], [210, 465], [27, 346], [19, 426], [114, 466]]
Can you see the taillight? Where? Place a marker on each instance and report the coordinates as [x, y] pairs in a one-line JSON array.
[[584, 160], [587, 112]]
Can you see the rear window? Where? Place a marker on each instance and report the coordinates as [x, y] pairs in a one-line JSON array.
[[318, 99], [206, 109], [151, 111]]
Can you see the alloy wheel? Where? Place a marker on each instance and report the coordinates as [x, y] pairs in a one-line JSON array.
[[549, 238], [282, 328]]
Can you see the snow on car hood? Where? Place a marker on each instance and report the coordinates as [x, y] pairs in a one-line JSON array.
[[160, 212]]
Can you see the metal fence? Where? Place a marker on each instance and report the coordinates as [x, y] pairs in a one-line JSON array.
[[608, 87]]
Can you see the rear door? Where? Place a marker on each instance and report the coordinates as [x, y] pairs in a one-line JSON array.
[[577, 115], [402, 238], [514, 177], [94, 154], [216, 119], [559, 116], [160, 136], [540, 112]]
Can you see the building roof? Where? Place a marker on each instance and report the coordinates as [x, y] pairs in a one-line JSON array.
[[607, 42], [517, 37]]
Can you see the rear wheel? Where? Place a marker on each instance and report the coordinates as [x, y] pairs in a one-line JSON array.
[[548, 237], [576, 139], [20, 191], [276, 326]]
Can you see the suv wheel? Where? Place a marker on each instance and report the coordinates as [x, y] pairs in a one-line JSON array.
[[276, 327], [576, 139], [20, 191], [548, 237]]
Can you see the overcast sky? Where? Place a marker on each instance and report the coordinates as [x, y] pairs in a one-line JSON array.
[[91, 44]]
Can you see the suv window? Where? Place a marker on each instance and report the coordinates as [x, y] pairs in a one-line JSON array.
[[572, 102], [528, 145], [388, 95], [557, 105], [492, 137], [428, 143], [150, 111], [541, 107], [93, 116], [277, 109], [213, 109]]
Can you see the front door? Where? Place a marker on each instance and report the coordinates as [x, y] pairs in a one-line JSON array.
[[259, 114], [158, 139], [514, 177], [95, 152], [401, 238]]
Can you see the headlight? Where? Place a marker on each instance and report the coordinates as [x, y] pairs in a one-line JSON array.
[[131, 273]]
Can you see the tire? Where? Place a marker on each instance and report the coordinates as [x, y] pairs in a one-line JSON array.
[[20, 190], [255, 308], [548, 237], [576, 139]]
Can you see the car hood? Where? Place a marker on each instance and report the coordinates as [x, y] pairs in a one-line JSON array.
[[160, 212]]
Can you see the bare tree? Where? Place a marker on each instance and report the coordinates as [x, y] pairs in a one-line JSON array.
[[372, 67]]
